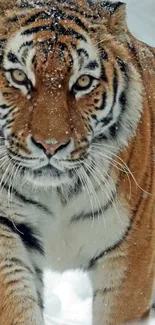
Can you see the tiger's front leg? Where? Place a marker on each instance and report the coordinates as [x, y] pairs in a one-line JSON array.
[[120, 296], [20, 280]]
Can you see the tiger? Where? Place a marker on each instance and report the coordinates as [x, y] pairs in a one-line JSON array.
[[77, 158]]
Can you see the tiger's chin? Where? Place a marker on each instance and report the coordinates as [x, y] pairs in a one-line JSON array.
[[48, 177]]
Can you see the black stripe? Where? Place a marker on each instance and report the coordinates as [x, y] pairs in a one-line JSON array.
[[83, 51], [70, 32], [1, 58], [4, 117], [103, 53], [12, 58], [87, 216], [95, 259], [2, 136], [40, 301], [4, 106], [77, 10], [63, 47], [39, 274], [103, 73], [37, 29], [13, 19], [27, 234], [111, 7], [12, 153], [94, 118], [116, 127], [113, 130], [40, 15], [106, 120], [11, 109], [2, 42], [134, 52], [20, 263], [55, 14], [26, 44], [9, 123], [123, 66], [101, 292], [24, 199], [115, 86], [30, 201], [123, 100], [92, 65], [77, 21], [95, 214]]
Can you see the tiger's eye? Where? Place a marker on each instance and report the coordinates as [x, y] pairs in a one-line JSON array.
[[84, 81], [18, 76]]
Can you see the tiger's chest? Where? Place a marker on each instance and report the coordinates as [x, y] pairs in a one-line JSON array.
[[74, 233], [82, 230]]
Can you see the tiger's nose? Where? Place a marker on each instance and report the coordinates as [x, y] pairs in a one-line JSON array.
[[49, 146]]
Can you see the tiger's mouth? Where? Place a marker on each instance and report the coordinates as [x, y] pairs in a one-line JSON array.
[[49, 175], [47, 170]]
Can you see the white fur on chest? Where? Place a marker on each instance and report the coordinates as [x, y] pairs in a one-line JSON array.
[[72, 244], [68, 243]]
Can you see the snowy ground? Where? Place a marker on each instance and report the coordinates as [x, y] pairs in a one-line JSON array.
[[68, 297]]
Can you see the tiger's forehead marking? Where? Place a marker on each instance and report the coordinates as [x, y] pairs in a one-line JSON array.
[[84, 53]]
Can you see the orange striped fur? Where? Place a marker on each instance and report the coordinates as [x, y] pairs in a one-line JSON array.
[[100, 218]]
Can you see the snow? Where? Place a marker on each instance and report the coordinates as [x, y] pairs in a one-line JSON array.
[[68, 297], [141, 19]]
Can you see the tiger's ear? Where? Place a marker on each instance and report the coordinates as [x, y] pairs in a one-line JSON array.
[[114, 16]]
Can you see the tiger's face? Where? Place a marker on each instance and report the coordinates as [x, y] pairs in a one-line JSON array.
[[68, 94]]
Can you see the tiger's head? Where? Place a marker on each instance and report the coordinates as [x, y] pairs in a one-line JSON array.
[[69, 94]]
